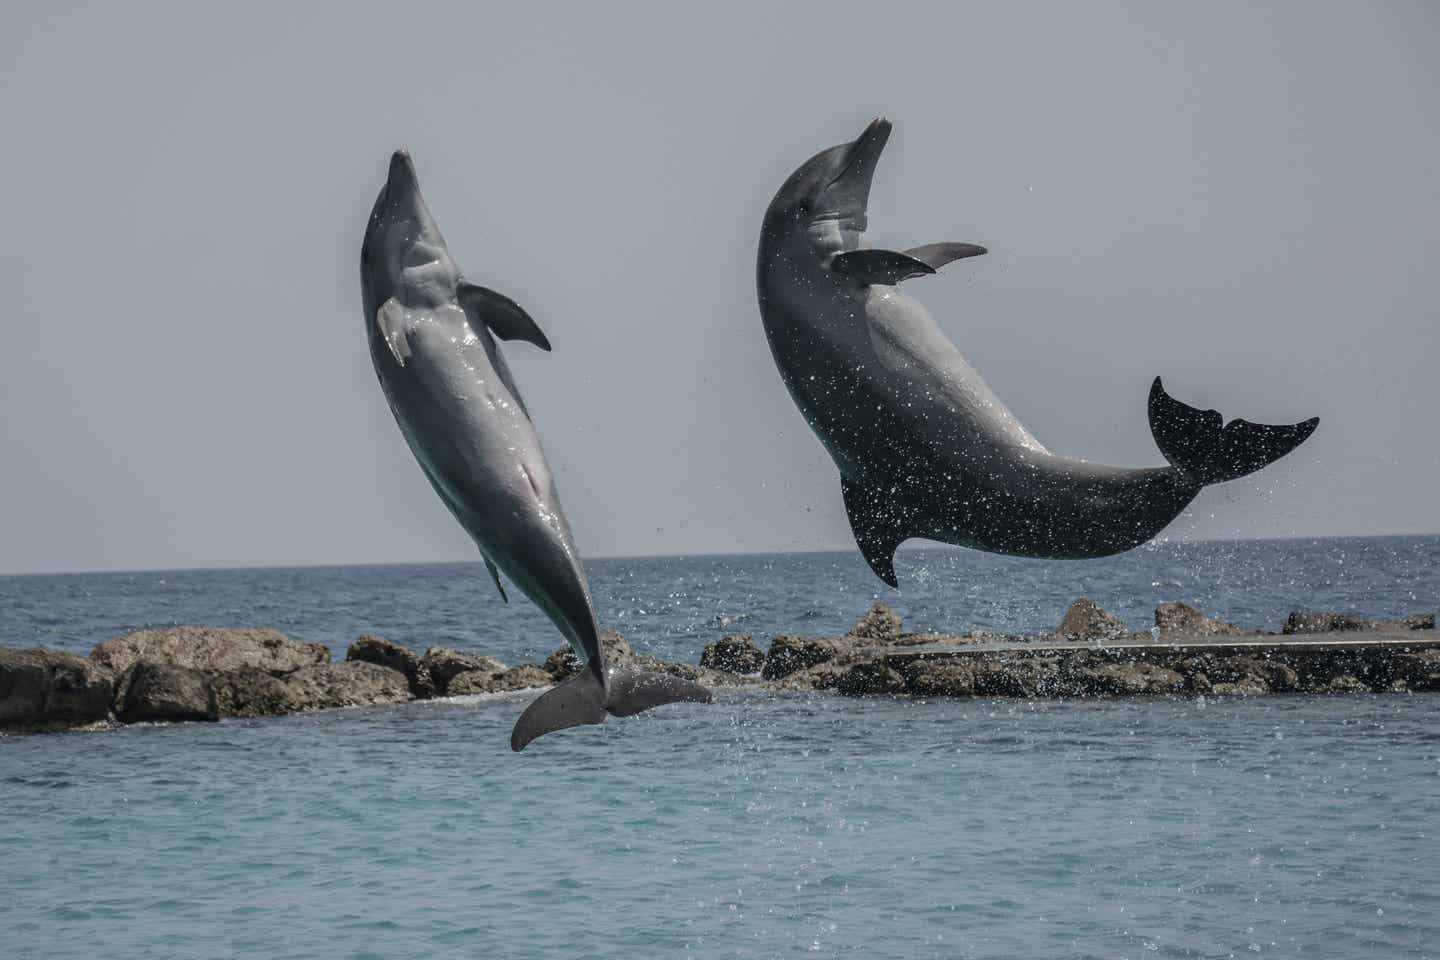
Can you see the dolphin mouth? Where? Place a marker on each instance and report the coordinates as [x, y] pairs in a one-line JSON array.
[[865, 155], [402, 172]]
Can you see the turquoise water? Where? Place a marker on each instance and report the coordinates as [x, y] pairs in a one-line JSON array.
[[760, 826]]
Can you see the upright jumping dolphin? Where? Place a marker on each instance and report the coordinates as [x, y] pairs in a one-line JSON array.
[[924, 447], [432, 340]]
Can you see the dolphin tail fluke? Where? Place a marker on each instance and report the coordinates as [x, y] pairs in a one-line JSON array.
[[1202, 445], [635, 691], [583, 699], [579, 700], [876, 525]]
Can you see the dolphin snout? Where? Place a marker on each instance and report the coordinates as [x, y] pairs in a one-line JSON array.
[[879, 128], [402, 168], [871, 141], [860, 162]]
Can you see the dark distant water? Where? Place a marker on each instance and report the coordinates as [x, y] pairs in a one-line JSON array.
[[760, 826], [672, 606]]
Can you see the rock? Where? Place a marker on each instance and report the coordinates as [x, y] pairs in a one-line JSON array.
[[789, 654], [443, 664], [1257, 672], [162, 691], [1419, 670], [255, 693], [940, 678], [1012, 676], [1239, 674], [1181, 618], [820, 676], [1128, 678], [523, 677], [384, 653], [880, 625], [210, 650], [1086, 621], [702, 675], [1300, 622], [47, 688], [736, 654], [562, 663], [1248, 687], [1345, 683], [869, 678]]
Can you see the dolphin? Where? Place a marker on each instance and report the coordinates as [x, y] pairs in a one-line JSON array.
[[924, 447], [432, 337]]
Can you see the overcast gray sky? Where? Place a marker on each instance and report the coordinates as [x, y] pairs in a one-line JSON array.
[[1244, 199]]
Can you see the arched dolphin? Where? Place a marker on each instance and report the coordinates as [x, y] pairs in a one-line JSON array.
[[432, 340], [924, 447]]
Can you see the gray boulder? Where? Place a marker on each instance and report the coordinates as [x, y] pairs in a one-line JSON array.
[[869, 678], [162, 691], [1245, 687], [210, 650], [1419, 670], [46, 688], [1184, 620], [255, 693], [736, 654], [1086, 621], [1238, 675], [1010, 676], [879, 625], [1128, 678], [940, 678], [385, 653], [789, 654], [443, 664], [562, 663], [821, 676], [523, 677]]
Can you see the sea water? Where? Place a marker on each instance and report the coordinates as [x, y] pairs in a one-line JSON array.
[[763, 825]]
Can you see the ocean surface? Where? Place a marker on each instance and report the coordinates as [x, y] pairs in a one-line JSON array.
[[761, 826]]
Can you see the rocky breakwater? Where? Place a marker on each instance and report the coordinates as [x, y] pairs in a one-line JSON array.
[[1092, 653], [209, 673]]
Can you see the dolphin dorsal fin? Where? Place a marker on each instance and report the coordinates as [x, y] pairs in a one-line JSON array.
[[495, 575], [878, 526], [505, 318]]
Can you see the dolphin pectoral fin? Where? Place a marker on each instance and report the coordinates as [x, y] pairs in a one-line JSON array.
[[634, 691], [936, 255], [577, 701], [883, 267], [1203, 446], [495, 575], [505, 318], [875, 526], [390, 321]]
